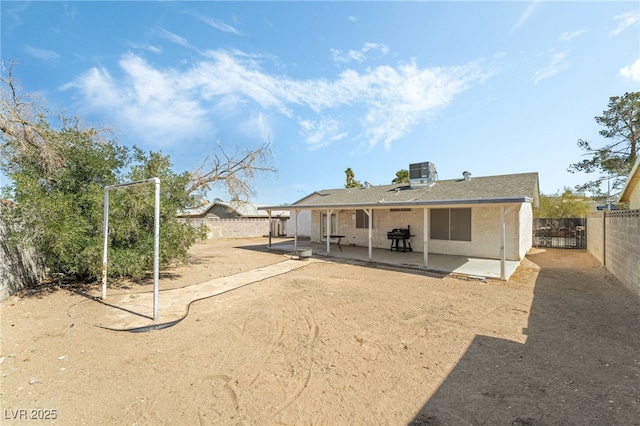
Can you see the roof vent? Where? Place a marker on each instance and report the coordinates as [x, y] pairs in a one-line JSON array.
[[467, 175], [422, 175], [367, 185]]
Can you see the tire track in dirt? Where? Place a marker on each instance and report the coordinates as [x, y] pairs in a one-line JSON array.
[[312, 335], [276, 338], [239, 374]]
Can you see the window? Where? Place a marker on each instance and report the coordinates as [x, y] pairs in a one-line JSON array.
[[451, 224], [323, 225], [362, 219]]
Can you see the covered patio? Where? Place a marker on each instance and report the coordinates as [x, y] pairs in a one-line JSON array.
[[438, 263]]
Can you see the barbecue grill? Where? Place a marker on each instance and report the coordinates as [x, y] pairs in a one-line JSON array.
[[400, 234]]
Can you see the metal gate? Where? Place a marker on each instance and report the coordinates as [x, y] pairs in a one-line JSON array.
[[560, 233]]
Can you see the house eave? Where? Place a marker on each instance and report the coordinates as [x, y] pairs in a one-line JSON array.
[[632, 181], [392, 204]]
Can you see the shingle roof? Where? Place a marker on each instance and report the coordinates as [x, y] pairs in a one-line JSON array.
[[521, 187]]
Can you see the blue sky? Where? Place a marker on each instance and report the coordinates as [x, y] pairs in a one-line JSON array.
[[488, 87]]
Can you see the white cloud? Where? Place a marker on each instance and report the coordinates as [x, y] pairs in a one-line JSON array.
[[221, 26], [632, 71], [524, 17], [150, 103], [358, 55], [169, 106], [321, 133], [149, 47], [567, 36], [42, 54], [625, 21], [173, 37], [557, 64]]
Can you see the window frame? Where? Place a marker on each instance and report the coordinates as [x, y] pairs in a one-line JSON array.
[[362, 219], [451, 224], [323, 225]]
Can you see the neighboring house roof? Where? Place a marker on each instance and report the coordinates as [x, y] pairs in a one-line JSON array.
[[242, 209], [632, 184], [513, 188], [252, 210]]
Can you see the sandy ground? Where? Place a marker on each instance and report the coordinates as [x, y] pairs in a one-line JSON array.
[[335, 344]]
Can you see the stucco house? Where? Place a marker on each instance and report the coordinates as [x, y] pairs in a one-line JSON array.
[[486, 217], [631, 192]]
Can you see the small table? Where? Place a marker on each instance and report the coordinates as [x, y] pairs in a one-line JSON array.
[[339, 237]]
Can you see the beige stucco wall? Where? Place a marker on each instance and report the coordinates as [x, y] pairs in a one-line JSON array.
[[525, 219], [485, 231], [595, 236], [634, 199]]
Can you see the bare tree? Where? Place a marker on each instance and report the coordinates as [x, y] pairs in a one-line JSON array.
[[20, 134], [236, 171]]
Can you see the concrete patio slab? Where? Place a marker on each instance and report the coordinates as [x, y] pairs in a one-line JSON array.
[[439, 263]]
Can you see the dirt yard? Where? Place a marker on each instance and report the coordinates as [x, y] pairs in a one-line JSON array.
[[334, 344]]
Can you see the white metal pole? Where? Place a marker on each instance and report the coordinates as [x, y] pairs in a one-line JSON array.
[[295, 231], [425, 237], [503, 240], [105, 230], [156, 248], [328, 231], [156, 243], [269, 211], [369, 213]]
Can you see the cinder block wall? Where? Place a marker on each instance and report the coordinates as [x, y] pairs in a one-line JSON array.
[[237, 228], [615, 243], [622, 247]]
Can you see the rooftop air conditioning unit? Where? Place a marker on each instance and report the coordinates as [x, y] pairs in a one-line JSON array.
[[422, 174]]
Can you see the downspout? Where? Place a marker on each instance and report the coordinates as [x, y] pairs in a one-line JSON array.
[[604, 238]]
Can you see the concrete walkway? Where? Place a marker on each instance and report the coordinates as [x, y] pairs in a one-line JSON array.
[[438, 263], [134, 312]]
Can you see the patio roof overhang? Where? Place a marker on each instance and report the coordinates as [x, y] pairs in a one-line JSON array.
[[399, 204], [506, 204]]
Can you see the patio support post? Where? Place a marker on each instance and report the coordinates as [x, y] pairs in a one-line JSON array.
[[328, 228], [425, 236], [368, 212], [503, 240], [295, 229], [269, 211]]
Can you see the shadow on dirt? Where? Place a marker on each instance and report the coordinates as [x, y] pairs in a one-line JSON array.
[[580, 364]]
